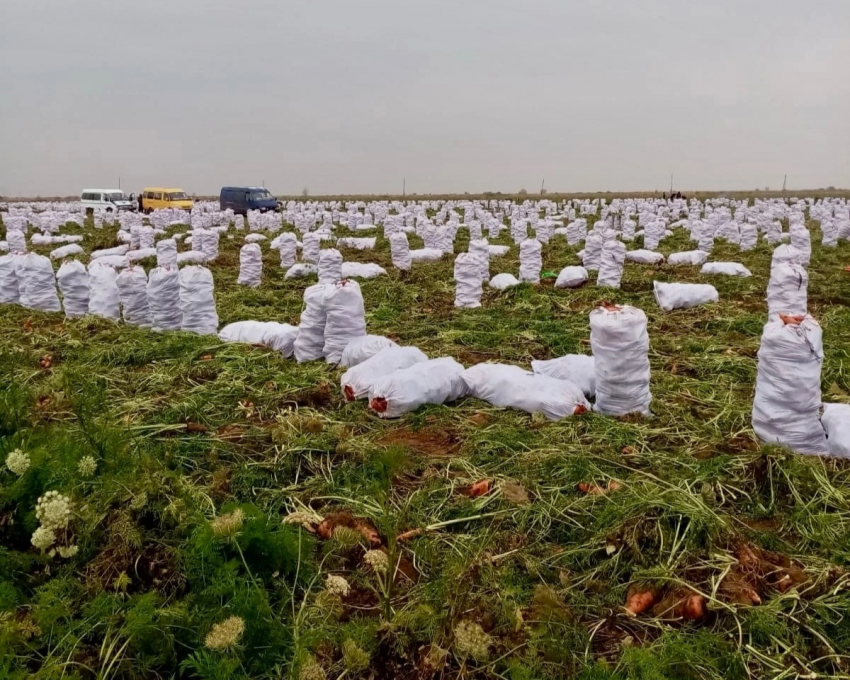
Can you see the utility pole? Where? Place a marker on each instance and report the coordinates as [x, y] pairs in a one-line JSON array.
[[785, 179], [671, 183], [119, 181], [403, 187]]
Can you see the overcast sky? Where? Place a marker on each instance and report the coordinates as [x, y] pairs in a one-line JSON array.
[[352, 96]]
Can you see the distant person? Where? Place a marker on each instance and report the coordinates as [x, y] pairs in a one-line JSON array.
[[140, 202]]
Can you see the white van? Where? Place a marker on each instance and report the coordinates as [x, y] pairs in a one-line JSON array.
[[106, 200]]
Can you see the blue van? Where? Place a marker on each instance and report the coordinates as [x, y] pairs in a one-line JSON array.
[[242, 199]]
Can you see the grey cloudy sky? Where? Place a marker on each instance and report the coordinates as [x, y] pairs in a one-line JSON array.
[[350, 96]]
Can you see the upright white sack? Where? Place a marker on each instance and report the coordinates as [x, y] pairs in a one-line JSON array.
[[592, 250], [346, 318], [611, 263], [104, 300], [9, 291], [133, 292], [571, 277], [787, 404], [579, 369], [287, 245], [250, 266], [310, 245], [209, 244], [310, 343], [481, 249], [787, 289], [40, 284], [400, 251], [620, 347], [530, 260], [197, 301], [467, 281], [358, 380], [330, 265], [362, 348], [437, 381], [73, 281], [836, 424], [166, 253], [164, 298]]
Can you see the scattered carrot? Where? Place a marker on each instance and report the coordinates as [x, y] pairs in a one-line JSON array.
[[694, 608], [638, 601], [480, 488], [791, 320], [408, 535]]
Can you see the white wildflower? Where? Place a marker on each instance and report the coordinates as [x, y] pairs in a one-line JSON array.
[[228, 525], [377, 560], [43, 538], [87, 466], [68, 551], [226, 634], [308, 520], [337, 585], [471, 640], [53, 510], [18, 462]]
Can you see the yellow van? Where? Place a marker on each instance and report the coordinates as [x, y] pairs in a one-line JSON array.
[[157, 198]]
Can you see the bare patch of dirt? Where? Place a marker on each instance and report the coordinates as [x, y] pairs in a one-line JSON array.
[[430, 442], [317, 397], [472, 357]]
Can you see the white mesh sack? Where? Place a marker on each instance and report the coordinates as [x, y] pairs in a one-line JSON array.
[[571, 277], [592, 250], [109, 252], [346, 318], [40, 284], [250, 266], [277, 336], [498, 251], [209, 244], [310, 343], [436, 381], [362, 348], [611, 263], [789, 255], [330, 265], [310, 245], [467, 281], [787, 290], [481, 249], [644, 257], [166, 253], [66, 251], [514, 387], [133, 292], [196, 240], [400, 251], [749, 236], [287, 244], [197, 301], [503, 281], [801, 239], [164, 299], [146, 237], [579, 369], [16, 240], [836, 424], [104, 300], [425, 255], [361, 270], [725, 268], [358, 380], [787, 404], [530, 260], [670, 296], [693, 257], [9, 291], [620, 347], [300, 270], [628, 231]]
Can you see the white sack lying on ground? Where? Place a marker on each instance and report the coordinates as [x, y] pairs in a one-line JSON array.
[[514, 387], [191, 256], [310, 343], [277, 336], [579, 369], [164, 299], [9, 291], [611, 262], [670, 296], [40, 284], [571, 277], [693, 257], [141, 254], [503, 281], [133, 292], [362, 348], [787, 289], [104, 300], [346, 318], [786, 408], [65, 251], [197, 301], [255, 238], [356, 243], [836, 424], [300, 270], [250, 266], [620, 347], [73, 280], [467, 274], [357, 381], [530, 260], [362, 270], [425, 255], [436, 381], [644, 257], [498, 251], [725, 268], [118, 250]]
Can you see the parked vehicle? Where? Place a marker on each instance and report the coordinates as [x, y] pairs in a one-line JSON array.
[[158, 198], [106, 200], [242, 199]]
